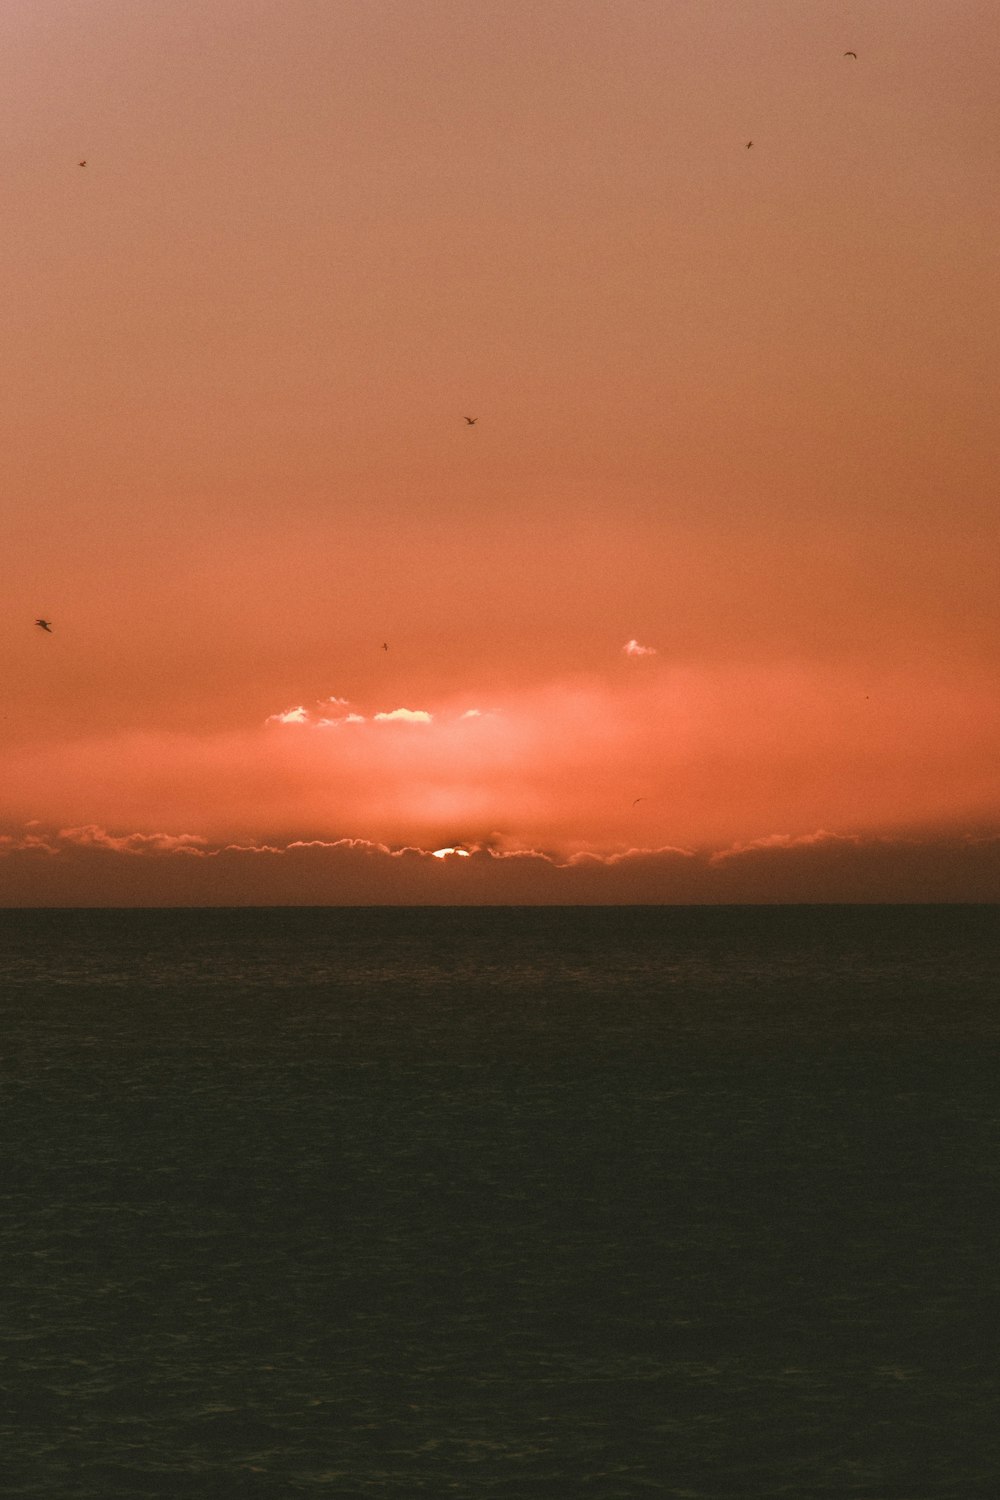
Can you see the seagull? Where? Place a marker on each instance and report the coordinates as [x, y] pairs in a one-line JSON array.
[[472, 421], [851, 54], [749, 144], [44, 625]]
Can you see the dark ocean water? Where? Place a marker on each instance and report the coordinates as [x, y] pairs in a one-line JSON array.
[[501, 1203]]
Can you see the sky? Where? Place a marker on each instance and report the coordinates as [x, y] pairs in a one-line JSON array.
[[703, 604]]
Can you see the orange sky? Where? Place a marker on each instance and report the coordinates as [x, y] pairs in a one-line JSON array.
[[736, 406]]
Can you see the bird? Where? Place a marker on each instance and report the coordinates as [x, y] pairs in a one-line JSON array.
[[81, 163], [385, 645], [851, 54], [639, 799], [749, 144], [44, 625], [472, 421]]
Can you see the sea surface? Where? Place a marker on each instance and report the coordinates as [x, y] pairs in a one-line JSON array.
[[700, 1202]]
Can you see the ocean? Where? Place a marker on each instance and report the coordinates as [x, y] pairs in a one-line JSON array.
[[560, 1202]]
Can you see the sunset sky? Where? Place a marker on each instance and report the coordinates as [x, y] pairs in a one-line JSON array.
[[704, 604]]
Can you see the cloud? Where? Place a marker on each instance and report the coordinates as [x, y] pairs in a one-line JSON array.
[[12, 843], [325, 715], [93, 837], [775, 841], [404, 716], [632, 648], [90, 866], [687, 755], [328, 717], [298, 715]]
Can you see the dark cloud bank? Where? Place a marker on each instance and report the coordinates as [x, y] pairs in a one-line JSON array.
[[92, 867]]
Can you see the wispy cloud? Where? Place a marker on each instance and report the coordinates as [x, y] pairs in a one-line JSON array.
[[327, 713], [633, 648], [776, 841], [93, 837], [336, 721], [28, 843]]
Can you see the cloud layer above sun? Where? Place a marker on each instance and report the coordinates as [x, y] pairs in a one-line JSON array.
[[691, 784], [715, 566], [664, 754]]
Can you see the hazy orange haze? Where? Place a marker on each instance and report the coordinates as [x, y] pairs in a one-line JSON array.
[[735, 406]]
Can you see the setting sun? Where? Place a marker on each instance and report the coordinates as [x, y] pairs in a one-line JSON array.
[[499, 748], [403, 473]]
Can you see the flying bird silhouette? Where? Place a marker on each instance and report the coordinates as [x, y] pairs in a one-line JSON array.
[[385, 645], [851, 54], [749, 144], [44, 625], [81, 163], [472, 421], [639, 799]]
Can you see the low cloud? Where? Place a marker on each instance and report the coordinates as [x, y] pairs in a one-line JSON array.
[[632, 648], [91, 866], [775, 841], [734, 761], [93, 837], [27, 843]]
